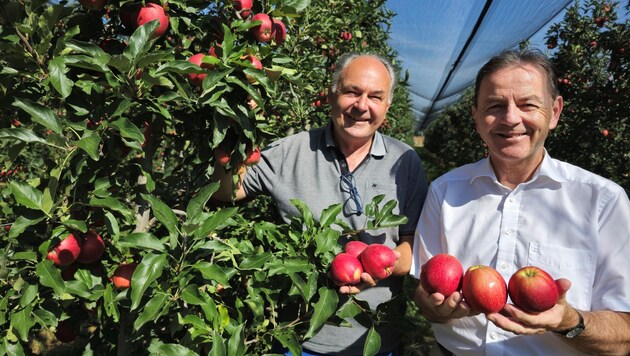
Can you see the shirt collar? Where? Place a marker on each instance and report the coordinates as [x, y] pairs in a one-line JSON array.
[[547, 169], [378, 144]]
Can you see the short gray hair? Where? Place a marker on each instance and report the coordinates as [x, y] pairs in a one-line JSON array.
[[347, 58]]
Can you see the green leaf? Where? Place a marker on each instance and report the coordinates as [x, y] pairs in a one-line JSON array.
[[301, 285], [22, 322], [214, 272], [372, 343], [111, 204], [139, 42], [178, 66], [218, 345], [326, 240], [20, 134], [58, 77], [305, 212], [40, 114], [349, 309], [288, 339], [172, 349], [392, 221], [142, 240], [146, 272], [163, 213], [49, 276], [26, 195], [236, 343], [21, 223], [28, 295], [90, 144], [256, 261], [217, 220], [73, 224], [197, 204], [329, 215], [155, 307], [128, 129], [323, 309]]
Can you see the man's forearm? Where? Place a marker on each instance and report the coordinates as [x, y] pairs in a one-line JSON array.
[[403, 265], [606, 333], [226, 190]]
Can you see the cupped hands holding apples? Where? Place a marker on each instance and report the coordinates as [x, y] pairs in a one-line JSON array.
[[447, 292], [362, 265]]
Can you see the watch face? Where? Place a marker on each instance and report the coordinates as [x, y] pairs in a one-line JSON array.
[[574, 332]]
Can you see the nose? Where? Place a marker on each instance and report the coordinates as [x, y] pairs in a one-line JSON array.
[[512, 115], [362, 103]]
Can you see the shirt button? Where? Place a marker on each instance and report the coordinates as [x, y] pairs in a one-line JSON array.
[[508, 231], [511, 199], [504, 266], [494, 335]]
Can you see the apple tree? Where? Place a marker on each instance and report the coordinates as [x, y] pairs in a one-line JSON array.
[[114, 115]]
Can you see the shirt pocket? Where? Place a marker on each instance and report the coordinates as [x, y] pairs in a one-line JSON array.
[[576, 265]]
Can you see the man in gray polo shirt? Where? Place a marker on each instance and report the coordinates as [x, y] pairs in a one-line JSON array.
[[350, 162]]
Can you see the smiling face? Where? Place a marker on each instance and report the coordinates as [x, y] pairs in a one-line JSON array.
[[361, 101], [513, 114]]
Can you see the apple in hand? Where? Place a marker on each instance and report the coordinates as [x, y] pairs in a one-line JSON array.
[[484, 289], [378, 261], [66, 251], [533, 289], [345, 269], [442, 274], [354, 247]]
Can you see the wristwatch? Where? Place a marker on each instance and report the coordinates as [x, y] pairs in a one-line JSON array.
[[574, 331]]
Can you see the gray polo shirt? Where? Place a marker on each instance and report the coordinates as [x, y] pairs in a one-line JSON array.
[[305, 166]]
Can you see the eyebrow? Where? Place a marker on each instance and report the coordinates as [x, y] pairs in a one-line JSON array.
[[357, 88]]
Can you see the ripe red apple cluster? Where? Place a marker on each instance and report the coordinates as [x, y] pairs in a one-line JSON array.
[[87, 248], [252, 156], [269, 29], [484, 289], [136, 15], [375, 259]]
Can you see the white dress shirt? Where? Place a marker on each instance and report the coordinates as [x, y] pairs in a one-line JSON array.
[[570, 222]]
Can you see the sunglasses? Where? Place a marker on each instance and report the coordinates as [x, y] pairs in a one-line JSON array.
[[353, 204]]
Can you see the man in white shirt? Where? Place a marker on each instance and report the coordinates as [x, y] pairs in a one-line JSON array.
[[521, 207]]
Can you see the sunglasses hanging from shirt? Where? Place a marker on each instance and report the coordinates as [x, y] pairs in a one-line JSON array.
[[353, 204]]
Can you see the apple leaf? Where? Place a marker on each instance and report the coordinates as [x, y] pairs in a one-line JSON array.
[[49, 276], [40, 114], [22, 322], [329, 215], [21, 223], [24, 135], [326, 240], [58, 78], [372, 343], [139, 42], [142, 240], [301, 285], [349, 309], [236, 343], [26, 195], [216, 221], [288, 339], [89, 143], [170, 349], [323, 309], [218, 346], [155, 307], [164, 214], [128, 129], [147, 271], [199, 201], [305, 212], [256, 261], [215, 272]]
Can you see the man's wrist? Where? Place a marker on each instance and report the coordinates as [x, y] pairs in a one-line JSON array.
[[574, 331]]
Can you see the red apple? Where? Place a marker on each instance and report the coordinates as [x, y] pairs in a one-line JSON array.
[[66, 251], [255, 61], [442, 274], [152, 12], [243, 7], [605, 132], [533, 289], [197, 78], [280, 31], [221, 156], [484, 289], [92, 248], [93, 4], [122, 276], [345, 269], [354, 247], [378, 260], [253, 156], [264, 31]]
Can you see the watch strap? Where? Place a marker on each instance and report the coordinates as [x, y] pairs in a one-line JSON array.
[[574, 331]]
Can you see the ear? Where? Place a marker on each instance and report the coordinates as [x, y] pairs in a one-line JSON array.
[[558, 104], [473, 112]]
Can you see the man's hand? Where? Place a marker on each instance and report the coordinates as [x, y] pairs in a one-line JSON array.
[[367, 281], [560, 317], [438, 308]]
